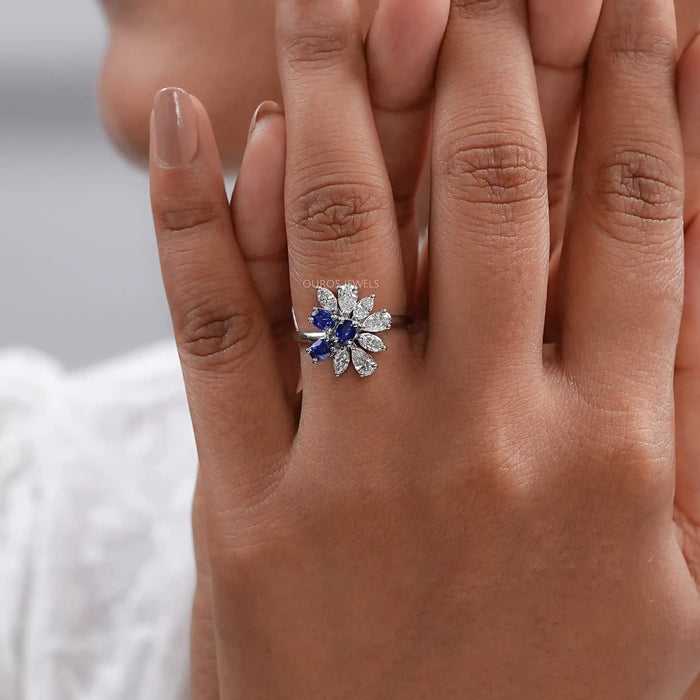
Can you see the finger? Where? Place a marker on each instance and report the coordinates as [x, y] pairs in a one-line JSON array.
[[687, 381], [689, 111], [623, 262], [258, 218], [204, 679], [489, 239], [340, 220], [225, 344], [693, 693], [561, 32], [688, 20], [402, 50]]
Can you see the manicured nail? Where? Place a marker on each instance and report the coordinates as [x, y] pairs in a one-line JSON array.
[[265, 109], [176, 127]]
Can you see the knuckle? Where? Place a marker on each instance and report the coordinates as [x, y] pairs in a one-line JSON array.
[[337, 214], [323, 46], [503, 461], [636, 43], [508, 174], [176, 216], [211, 336], [629, 449], [642, 461], [248, 538], [475, 8], [639, 188]]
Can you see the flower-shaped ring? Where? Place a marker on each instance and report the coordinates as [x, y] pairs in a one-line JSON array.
[[347, 330]]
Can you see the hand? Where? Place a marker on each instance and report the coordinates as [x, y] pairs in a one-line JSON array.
[[469, 566], [401, 48], [559, 61]]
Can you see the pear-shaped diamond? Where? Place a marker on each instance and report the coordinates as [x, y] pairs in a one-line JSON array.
[[347, 298], [363, 362]]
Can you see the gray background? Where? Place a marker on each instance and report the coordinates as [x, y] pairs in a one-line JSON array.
[[78, 271]]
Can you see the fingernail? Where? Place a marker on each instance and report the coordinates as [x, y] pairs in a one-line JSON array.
[[176, 127], [265, 109]]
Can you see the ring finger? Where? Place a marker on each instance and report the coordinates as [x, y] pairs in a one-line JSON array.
[[341, 224]]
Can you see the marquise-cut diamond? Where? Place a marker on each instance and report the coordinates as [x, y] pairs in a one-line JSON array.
[[341, 361], [381, 321], [371, 343], [326, 299]]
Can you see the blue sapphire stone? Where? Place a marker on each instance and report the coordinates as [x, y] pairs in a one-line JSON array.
[[322, 319], [346, 332], [321, 350]]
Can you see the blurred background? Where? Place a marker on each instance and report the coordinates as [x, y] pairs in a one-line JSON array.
[[79, 278]]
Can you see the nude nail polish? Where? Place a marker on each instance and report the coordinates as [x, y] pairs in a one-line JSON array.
[[176, 132], [265, 109]]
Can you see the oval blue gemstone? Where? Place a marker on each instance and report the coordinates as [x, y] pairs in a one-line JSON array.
[[321, 350], [346, 332], [322, 319]]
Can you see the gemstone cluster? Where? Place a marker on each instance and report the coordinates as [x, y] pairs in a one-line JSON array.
[[349, 328]]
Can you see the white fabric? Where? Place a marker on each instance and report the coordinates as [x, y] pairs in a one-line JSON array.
[[97, 472]]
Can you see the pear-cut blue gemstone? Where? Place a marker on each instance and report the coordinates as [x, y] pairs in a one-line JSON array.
[[322, 319], [346, 332], [321, 350]]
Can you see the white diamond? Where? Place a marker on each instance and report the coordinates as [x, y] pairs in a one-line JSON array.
[[326, 299], [371, 343], [347, 297], [381, 321], [341, 361], [363, 308], [363, 362]]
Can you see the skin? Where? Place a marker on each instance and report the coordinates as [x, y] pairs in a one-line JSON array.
[[220, 50], [638, 478], [223, 52]]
